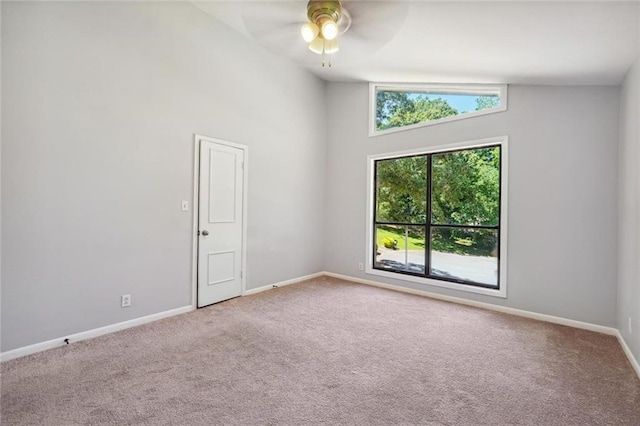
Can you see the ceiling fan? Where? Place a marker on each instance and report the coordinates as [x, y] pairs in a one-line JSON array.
[[326, 20], [348, 30]]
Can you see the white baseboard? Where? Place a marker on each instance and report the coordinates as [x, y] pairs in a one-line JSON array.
[[54, 343], [513, 311], [519, 312], [283, 283], [627, 351], [39, 347]]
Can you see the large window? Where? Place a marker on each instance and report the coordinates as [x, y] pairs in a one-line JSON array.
[[439, 216], [401, 107]]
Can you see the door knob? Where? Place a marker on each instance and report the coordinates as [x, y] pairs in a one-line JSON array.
[[205, 232]]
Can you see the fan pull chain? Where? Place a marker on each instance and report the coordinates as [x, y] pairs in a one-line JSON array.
[[324, 59]]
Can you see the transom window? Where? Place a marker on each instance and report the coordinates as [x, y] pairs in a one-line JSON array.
[[438, 216], [395, 108]]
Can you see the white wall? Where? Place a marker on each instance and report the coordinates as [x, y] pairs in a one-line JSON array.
[[629, 211], [562, 193], [100, 104]]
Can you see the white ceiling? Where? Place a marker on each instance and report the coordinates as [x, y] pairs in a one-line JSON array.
[[557, 43]]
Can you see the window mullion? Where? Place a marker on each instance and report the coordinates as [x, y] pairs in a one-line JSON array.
[[375, 214], [427, 226]]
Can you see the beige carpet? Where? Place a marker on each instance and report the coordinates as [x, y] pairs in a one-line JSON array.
[[329, 352]]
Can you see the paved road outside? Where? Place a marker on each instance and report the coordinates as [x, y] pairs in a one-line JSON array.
[[480, 269]]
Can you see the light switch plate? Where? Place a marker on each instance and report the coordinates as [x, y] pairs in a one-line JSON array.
[[185, 206]]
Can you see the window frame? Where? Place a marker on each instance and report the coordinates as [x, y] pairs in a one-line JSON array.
[[501, 291], [480, 89]]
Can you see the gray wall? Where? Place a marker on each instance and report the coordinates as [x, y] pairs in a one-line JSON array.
[[629, 211], [562, 193], [100, 103], [99, 106]]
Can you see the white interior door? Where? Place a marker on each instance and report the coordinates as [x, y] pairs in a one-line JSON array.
[[220, 222]]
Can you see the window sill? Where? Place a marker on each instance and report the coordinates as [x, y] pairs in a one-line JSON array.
[[502, 292]]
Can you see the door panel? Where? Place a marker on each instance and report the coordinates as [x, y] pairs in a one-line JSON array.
[[220, 224], [222, 186], [221, 267]]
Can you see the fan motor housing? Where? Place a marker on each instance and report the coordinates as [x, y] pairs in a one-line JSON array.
[[320, 10]]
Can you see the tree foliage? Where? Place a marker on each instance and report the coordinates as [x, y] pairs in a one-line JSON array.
[[402, 190], [398, 109], [486, 102], [386, 105], [465, 188], [465, 185]]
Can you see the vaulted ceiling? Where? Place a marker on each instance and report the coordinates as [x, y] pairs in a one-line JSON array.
[[557, 43]]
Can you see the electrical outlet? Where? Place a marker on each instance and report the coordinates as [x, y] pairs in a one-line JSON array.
[[360, 267], [630, 329], [126, 300]]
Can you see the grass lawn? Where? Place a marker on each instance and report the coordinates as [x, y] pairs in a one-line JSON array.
[[414, 243], [459, 245]]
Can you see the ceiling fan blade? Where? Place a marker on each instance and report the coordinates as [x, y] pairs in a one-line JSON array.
[[377, 13], [261, 16], [270, 34], [376, 20], [276, 25], [374, 24]]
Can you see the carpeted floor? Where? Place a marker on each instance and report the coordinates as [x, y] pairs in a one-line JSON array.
[[329, 352]]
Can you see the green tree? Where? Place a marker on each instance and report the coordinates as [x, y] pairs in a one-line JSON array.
[[466, 187], [386, 105], [486, 102], [466, 191], [465, 184], [401, 190], [420, 110], [398, 109]]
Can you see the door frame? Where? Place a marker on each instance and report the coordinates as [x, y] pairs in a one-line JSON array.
[[196, 209]]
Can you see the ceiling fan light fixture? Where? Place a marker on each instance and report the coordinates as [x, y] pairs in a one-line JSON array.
[[319, 10], [331, 46], [317, 45], [309, 31], [329, 29], [326, 21]]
